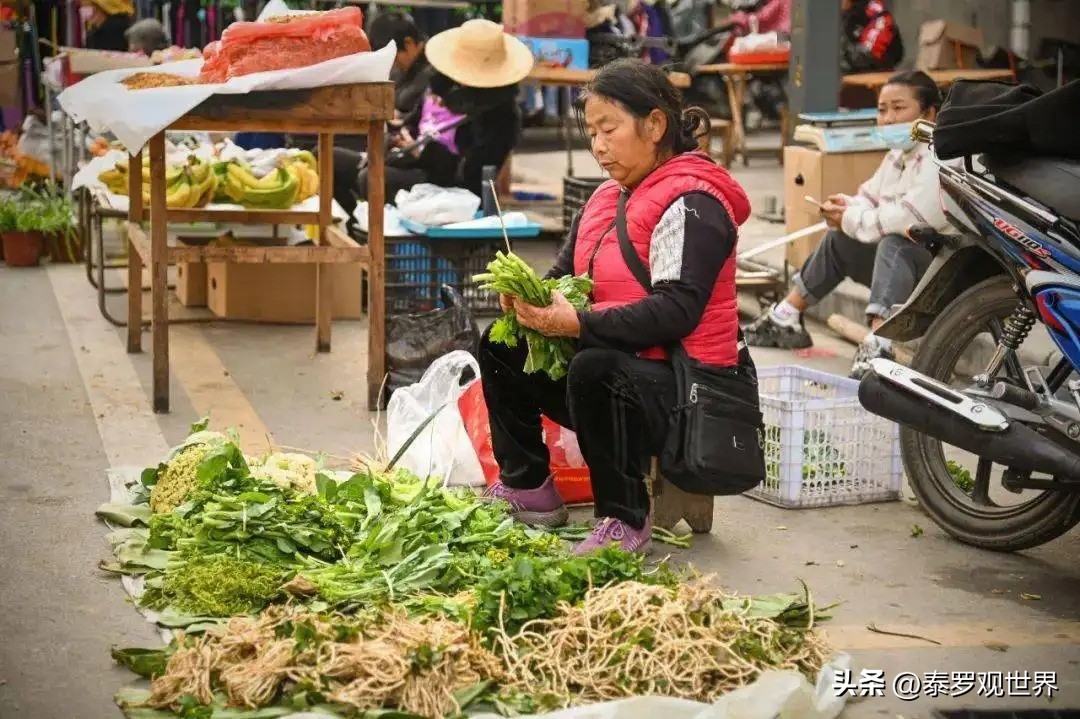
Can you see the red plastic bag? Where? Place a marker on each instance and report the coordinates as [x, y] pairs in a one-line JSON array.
[[286, 42], [571, 473]]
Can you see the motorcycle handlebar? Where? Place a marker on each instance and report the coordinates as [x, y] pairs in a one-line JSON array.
[[923, 131]]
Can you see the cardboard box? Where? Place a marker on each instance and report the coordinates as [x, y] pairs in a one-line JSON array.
[[191, 284], [275, 292], [811, 172], [947, 45], [559, 52], [545, 18]]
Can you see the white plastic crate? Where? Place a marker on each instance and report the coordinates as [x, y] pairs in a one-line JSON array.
[[821, 447]]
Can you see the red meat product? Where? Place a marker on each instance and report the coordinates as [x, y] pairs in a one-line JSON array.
[[215, 67], [293, 41]]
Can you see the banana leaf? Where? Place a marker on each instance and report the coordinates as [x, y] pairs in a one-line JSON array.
[[124, 515]]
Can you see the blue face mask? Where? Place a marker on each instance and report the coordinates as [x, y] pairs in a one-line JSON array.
[[895, 136]]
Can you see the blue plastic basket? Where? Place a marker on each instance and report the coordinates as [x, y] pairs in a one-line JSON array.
[[416, 269]]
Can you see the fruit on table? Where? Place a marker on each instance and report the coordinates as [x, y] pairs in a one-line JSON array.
[[200, 182], [278, 190]]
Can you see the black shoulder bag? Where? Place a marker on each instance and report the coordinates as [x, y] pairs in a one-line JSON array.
[[715, 440]]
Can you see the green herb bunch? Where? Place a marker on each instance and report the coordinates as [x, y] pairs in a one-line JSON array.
[[508, 274]]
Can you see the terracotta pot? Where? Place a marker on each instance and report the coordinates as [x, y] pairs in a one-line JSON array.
[[22, 249]]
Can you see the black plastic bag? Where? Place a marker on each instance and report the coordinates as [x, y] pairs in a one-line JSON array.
[[414, 341]]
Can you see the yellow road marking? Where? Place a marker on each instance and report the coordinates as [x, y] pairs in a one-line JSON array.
[[852, 637], [212, 390]]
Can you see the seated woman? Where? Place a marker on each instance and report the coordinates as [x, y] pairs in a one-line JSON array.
[[477, 70], [867, 241], [682, 212], [147, 36]]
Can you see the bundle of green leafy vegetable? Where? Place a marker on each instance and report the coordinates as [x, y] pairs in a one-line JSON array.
[[369, 540], [508, 274]]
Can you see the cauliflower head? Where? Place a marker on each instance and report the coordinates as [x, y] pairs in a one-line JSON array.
[[287, 470], [178, 480]]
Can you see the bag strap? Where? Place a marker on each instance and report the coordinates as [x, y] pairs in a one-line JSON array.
[[637, 267]]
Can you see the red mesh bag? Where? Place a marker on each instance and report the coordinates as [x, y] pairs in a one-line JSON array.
[[293, 41], [215, 67]]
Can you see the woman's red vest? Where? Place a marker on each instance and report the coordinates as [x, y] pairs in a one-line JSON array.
[[715, 339]]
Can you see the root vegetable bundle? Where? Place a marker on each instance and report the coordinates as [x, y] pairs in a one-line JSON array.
[[508, 274], [387, 593]]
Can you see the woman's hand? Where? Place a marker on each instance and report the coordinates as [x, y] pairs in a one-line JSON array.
[[559, 319], [833, 210], [401, 138], [506, 303]]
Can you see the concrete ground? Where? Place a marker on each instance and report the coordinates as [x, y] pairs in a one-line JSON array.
[[73, 404]]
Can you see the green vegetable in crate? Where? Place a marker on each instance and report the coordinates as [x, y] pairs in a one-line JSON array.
[[820, 459], [508, 274]]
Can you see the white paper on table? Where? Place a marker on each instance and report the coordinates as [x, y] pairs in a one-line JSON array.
[[311, 204], [134, 116], [392, 226]]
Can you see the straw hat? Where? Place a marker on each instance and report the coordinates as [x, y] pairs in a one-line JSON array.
[[599, 15], [479, 54]]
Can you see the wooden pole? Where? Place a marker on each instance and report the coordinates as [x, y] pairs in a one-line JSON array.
[[135, 265], [376, 279], [159, 272], [324, 300]]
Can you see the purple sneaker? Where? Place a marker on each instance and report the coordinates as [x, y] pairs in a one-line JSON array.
[[614, 531], [540, 507]]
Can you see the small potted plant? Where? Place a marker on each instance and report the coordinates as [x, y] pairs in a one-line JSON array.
[[57, 224], [19, 231]]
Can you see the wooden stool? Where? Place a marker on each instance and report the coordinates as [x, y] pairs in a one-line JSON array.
[[670, 504], [723, 130]]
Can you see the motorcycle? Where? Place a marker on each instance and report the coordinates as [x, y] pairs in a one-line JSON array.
[[1013, 268]]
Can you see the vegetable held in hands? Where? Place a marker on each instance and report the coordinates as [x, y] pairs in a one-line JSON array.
[[543, 312], [559, 319]]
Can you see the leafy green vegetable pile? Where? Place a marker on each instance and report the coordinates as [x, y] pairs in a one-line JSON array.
[[508, 274], [378, 592]]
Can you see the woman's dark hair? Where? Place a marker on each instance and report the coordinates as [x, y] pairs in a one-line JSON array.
[[392, 25], [926, 90], [641, 88]]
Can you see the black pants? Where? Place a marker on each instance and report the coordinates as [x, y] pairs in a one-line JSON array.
[[616, 403], [350, 181]]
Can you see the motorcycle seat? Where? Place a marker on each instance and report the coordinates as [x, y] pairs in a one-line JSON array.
[[1053, 181]]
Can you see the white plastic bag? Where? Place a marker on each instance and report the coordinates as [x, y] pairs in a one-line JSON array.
[[432, 205], [442, 449]]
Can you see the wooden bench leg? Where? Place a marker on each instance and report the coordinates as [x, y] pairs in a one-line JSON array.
[[671, 504]]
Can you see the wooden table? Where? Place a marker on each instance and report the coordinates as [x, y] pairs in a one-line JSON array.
[[351, 109], [735, 77], [567, 78], [876, 80]]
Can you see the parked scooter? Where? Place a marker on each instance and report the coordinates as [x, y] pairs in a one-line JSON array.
[[1014, 269], [709, 46]]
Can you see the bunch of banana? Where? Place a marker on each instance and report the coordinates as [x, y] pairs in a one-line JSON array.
[[204, 182], [116, 179], [307, 177], [276, 191]]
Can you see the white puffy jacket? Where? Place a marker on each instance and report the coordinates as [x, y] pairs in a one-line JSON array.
[[902, 192]]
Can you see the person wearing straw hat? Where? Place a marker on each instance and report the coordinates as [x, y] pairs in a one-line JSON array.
[[477, 68], [106, 21]]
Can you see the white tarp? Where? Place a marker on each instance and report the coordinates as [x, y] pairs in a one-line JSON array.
[[134, 116]]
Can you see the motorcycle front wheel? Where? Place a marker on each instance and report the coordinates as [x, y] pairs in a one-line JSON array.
[[965, 509]]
